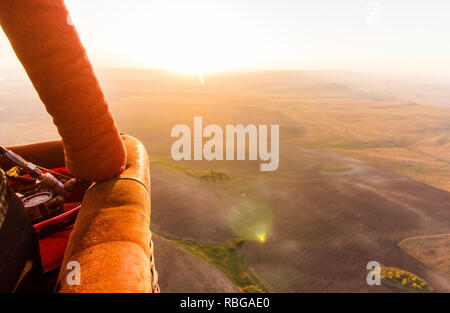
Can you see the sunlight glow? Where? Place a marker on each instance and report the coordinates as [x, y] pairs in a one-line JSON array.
[[208, 36], [189, 38], [262, 238]]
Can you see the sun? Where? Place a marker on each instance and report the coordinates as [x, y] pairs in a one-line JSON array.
[[187, 39]]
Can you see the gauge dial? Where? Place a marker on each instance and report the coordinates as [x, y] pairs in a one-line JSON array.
[[36, 199]]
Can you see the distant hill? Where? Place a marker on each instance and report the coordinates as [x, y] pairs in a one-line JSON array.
[[308, 83]]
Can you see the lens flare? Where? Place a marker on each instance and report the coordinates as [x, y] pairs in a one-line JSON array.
[[262, 238], [251, 218]]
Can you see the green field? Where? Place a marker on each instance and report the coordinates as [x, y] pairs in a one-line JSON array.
[[229, 258]]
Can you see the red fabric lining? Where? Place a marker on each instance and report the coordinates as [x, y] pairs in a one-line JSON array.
[[52, 249]]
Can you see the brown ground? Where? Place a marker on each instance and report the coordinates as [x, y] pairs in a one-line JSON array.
[[197, 275], [432, 251], [185, 207], [336, 223], [326, 226]]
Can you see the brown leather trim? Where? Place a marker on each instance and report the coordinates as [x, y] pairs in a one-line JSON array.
[[111, 237], [48, 154]]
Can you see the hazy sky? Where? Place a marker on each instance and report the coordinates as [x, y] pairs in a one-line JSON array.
[[200, 36]]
